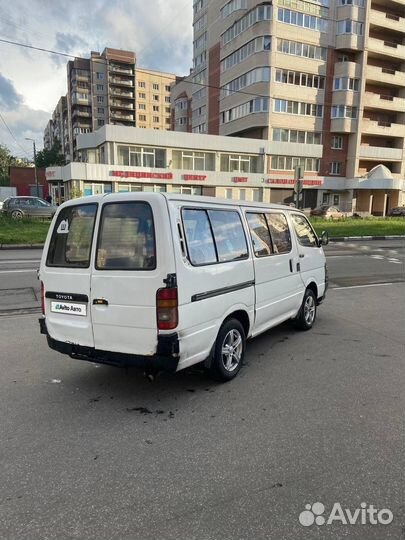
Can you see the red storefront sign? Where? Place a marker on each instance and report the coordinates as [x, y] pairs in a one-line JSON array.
[[291, 182], [139, 174], [196, 177], [239, 179]]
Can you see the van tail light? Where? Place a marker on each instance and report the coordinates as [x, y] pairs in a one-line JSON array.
[[167, 308], [42, 298]]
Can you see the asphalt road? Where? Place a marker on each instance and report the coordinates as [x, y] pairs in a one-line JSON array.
[[93, 452]]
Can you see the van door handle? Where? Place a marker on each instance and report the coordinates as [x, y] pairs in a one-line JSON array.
[[291, 265], [100, 302], [302, 255]]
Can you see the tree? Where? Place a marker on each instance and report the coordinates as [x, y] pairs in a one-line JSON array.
[[6, 161], [52, 157]]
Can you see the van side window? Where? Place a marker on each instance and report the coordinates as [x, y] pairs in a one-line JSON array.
[[229, 236], [200, 243], [127, 238], [259, 232], [305, 233], [72, 237], [280, 233]]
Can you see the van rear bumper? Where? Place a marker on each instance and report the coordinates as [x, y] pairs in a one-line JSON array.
[[165, 359]]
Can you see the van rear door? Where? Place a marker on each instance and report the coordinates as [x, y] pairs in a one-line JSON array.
[[134, 254], [66, 274]]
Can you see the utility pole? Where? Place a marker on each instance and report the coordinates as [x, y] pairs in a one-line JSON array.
[[298, 176], [35, 164]]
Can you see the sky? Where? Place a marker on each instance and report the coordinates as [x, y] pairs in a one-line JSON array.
[[31, 82]]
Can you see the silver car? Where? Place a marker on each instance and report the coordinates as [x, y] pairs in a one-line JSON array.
[[32, 207]]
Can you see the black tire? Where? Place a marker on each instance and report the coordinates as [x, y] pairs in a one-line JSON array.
[[225, 367], [307, 314], [17, 214]]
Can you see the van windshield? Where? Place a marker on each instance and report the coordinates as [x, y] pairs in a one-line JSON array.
[[72, 236], [127, 238]]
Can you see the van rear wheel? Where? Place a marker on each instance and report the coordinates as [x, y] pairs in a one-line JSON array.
[[307, 313], [229, 351]]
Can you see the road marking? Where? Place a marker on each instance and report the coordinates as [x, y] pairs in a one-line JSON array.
[[362, 286], [26, 271], [379, 257]]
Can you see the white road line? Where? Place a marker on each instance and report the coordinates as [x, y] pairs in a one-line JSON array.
[[26, 271], [361, 286]]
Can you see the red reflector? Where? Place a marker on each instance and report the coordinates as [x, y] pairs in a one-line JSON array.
[[42, 298], [166, 308]]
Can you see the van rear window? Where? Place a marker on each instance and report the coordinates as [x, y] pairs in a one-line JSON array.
[[127, 238], [72, 236]]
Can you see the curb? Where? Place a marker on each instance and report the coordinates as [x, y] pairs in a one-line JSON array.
[[21, 246], [359, 238]]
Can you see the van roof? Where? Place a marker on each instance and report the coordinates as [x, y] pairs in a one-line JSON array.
[[179, 197]]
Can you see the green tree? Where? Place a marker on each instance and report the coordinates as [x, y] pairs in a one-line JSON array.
[[6, 160], [51, 157]]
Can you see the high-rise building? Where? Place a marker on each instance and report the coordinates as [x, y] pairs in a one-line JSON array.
[[57, 128], [307, 73], [108, 88]]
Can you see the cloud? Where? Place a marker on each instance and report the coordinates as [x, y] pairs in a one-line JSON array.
[[9, 98], [158, 31]]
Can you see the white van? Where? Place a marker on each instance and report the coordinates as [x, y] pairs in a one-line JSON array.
[[164, 281]]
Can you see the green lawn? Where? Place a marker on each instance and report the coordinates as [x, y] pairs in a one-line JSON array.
[[361, 227], [29, 231], [26, 231]]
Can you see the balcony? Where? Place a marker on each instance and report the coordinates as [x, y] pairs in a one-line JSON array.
[[121, 104], [350, 42], [381, 153], [386, 48], [348, 69], [343, 125], [121, 93], [123, 82], [385, 76], [122, 116], [387, 21], [385, 102], [79, 112], [386, 129], [119, 69]]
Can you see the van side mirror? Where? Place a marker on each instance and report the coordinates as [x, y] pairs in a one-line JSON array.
[[324, 238]]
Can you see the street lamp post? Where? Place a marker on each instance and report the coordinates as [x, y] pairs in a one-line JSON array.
[[35, 164]]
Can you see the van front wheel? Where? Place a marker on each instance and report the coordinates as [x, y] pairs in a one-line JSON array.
[[307, 313], [229, 351]]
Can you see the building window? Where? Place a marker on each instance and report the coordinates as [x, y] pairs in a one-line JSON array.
[[100, 122], [187, 190], [299, 79], [168, 88], [343, 111], [231, 6], [256, 75], [228, 193], [155, 97], [100, 87], [156, 119], [241, 163], [155, 108], [297, 107], [168, 110], [337, 142], [336, 200], [155, 86], [257, 105], [142, 107], [296, 48], [168, 121], [167, 99], [141, 84], [193, 161], [349, 27], [136, 156], [257, 14], [99, 76], [295, 136], [304, 21], [142, 95], [100, 99], [100, 110], [142, 117], [336, 168], [288, 163], [346, 83]]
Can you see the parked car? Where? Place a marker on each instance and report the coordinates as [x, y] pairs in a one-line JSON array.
[[164, 281], [32, 207], [397, 211], [326, 211]]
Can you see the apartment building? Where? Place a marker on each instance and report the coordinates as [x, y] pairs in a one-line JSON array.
[[313, 72], [57, 128], [108, 88]]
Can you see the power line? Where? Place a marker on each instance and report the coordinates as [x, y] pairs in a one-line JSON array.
[[36, 48], [12, 135]]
